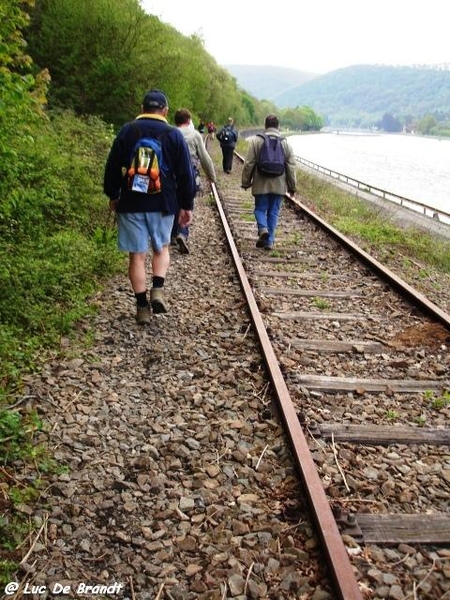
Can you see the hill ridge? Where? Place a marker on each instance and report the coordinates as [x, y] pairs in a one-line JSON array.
[[359, 95]]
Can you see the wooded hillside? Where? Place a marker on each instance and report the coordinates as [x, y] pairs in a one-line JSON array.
[[360, 95]]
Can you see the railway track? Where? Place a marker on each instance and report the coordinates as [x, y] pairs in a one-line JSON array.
[[359, 363], [299, 450]]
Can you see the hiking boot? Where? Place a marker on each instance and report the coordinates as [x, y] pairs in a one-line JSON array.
[[143, 315], [268, 247], [157, 301], [263, 237], [182, 244]]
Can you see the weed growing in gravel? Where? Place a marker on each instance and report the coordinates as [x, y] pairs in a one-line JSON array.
[[7, 568], [392, 415], [321, 303], [248, 205], [16, 444], [295, 238], [441, 402], [208, 200], [16, 435]]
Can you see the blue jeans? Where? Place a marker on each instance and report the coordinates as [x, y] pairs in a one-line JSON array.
[[267, 209]]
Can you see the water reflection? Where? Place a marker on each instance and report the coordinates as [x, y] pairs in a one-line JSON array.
[[411, 166]]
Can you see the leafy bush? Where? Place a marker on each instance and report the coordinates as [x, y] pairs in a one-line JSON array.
[[52, 251]]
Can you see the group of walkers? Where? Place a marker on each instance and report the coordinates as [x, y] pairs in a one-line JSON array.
[[152, 176]]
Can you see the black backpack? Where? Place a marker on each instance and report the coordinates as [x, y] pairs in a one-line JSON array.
[[226, 135], [271, 157]]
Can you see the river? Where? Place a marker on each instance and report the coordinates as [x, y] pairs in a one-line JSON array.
[[411, 166]]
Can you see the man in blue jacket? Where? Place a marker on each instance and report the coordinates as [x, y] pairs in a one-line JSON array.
[[145, 200]]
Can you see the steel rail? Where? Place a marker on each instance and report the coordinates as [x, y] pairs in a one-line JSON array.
[[337, 557], [399, 284], [395, 281]]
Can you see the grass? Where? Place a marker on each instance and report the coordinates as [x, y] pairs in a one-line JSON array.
[[441, 402], [372, 227], [392, 415], [321, 303]]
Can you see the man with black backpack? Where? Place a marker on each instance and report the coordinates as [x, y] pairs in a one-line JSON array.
[[228, 137], [270, 170], [148, 178]]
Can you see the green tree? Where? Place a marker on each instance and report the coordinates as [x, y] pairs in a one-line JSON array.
[[301, 118], [21, 100], [103, 56], [93, 53], [426, 124]]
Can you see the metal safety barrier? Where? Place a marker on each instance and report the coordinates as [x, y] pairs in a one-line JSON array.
[[424, 209]]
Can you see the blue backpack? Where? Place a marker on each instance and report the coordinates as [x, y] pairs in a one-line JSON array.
[[271, 159]]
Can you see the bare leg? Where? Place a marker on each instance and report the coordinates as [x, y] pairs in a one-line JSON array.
[[161, 262], [136, 271]]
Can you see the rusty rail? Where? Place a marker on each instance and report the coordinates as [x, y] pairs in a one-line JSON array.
[[338, 560]]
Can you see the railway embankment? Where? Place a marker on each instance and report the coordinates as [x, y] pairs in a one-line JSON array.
[[397, 213]]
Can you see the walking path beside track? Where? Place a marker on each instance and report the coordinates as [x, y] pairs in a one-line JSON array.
[[179, 483]]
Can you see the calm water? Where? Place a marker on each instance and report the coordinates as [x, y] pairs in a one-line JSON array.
[[411, 166]]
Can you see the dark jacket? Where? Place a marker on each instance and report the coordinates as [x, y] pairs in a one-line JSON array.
[[178, 183], [233, 137]]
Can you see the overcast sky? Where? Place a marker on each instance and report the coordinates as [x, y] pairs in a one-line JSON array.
[[316, 37]]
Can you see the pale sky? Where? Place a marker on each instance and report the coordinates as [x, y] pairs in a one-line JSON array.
[[316, 36]]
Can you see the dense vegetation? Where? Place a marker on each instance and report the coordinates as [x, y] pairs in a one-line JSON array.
[[392, 98], [102, 56]]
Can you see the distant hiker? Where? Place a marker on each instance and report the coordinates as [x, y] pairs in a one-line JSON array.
[[148, 176], [199, 158], [211, 129], [268, 187], [228, 137]]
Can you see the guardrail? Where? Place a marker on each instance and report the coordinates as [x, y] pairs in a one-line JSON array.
[[424, 209]]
